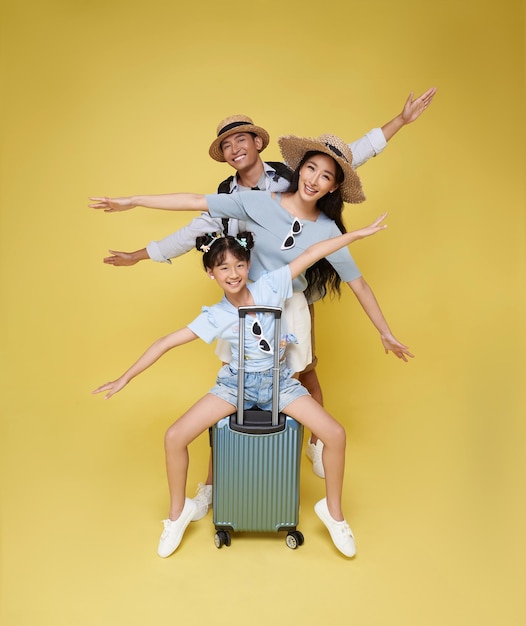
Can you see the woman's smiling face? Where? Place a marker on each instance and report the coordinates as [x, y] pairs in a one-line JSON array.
[[317, 177]]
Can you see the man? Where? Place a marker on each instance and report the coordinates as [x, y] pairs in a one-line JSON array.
[[239, 143]]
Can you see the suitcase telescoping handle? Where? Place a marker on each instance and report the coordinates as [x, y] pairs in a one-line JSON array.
[[243, 311]]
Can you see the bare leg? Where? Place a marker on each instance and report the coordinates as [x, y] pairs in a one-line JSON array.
[[209, 478], [312, 415], [309, 379], [181, 433]]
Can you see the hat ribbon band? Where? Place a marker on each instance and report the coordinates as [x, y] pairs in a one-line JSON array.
[[228, 127], [336, 151]]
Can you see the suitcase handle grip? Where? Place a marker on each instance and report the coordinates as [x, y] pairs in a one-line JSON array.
[[276, 311], [243, 310]]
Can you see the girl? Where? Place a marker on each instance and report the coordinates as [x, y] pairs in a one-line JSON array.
[[227, 260]]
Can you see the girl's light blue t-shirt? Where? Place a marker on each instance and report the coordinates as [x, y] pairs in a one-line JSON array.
[[222, 320]]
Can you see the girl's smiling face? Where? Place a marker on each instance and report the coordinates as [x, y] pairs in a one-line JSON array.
[[231, 275]]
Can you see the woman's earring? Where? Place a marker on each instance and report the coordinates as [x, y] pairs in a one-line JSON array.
[[211, 278]]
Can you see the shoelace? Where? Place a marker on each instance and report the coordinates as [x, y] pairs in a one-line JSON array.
[[346, 530], [167, 525]]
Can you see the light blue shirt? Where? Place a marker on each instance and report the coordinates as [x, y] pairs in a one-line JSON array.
[[222, 321], [183, 240], [270, 223]]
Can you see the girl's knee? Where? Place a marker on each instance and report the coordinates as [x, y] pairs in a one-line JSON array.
[[337, 435], [171, 436]]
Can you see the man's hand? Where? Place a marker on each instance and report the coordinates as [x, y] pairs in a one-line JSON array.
[[126, 259], [413, 108]]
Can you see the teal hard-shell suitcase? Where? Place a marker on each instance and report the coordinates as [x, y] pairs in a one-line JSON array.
[[256, 461]]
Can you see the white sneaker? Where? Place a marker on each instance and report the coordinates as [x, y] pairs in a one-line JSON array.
[[203, 501], [341, 534], [313, 452], [174, 529]]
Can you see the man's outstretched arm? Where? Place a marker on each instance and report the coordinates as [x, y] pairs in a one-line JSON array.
[[376, 140]]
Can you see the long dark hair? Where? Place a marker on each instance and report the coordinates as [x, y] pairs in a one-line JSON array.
[[215, 248], [321, 276]]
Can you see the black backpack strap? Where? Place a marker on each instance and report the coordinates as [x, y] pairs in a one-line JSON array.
[[224, 187], [282, 170]]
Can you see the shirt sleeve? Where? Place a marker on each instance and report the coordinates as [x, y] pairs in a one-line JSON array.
[[205, 326], [278, 283], [342, 260], [183, 240], [367, 147], [227, 205]]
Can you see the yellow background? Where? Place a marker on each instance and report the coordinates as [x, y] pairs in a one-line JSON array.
[[117, 97]]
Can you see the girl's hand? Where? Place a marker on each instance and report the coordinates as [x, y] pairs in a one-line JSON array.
[[112, 388], [111, 205], [373, 228], [397, 348]]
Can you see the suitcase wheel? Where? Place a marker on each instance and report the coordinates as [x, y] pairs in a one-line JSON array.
[[222, 538], [294, 539]]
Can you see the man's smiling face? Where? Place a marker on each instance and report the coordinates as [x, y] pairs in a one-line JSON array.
[[241, 150]]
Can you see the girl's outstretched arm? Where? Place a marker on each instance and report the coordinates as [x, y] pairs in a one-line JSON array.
[[152, 354], [168, 202], [323, 248]]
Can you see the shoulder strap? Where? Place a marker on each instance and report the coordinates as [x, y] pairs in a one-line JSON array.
[[282, 170], [224, 187]]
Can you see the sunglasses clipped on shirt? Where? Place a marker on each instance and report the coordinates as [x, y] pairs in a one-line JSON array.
[[290, 240], [263, 344]]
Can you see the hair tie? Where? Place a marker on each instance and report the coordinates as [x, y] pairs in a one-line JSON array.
[[242, 242], [206, 247]]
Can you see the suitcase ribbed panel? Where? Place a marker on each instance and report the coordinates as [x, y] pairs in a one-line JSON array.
[[256, 478]]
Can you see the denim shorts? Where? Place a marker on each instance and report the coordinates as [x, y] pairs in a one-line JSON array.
[[258, 388]]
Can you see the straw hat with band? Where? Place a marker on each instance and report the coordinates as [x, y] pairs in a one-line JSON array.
[[231, 126], [294, 149]]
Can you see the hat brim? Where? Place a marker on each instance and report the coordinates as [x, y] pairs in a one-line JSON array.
[[215, 150], [294, 148]]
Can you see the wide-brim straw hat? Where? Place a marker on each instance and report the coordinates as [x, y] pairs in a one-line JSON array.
[[294, 149], [231, 126]]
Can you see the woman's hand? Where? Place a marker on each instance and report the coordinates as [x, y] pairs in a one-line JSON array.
[[111, 205], [398, 349]]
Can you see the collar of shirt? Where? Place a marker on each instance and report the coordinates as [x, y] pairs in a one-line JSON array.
[[281, 184]]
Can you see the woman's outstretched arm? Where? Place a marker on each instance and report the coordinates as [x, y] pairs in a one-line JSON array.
[[167, 201]]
